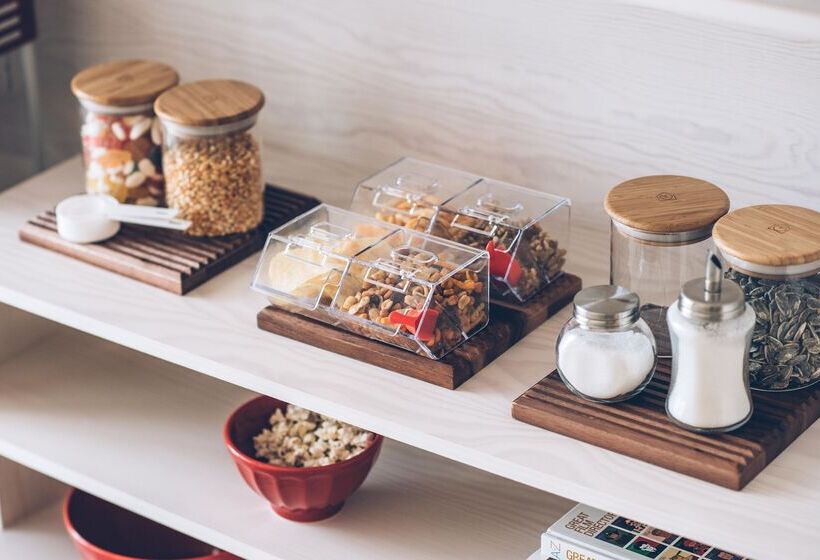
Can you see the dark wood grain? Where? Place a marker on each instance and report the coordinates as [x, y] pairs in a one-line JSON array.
[[17, 24], [640, 429], [529, 315], [169, 259], [507, 326]]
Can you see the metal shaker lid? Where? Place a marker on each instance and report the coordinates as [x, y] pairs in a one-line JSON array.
[[606, 307], [712, 298]]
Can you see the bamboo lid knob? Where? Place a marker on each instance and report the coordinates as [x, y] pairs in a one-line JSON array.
[[209, 102], [774, 235], [124, 83], [666, 204]]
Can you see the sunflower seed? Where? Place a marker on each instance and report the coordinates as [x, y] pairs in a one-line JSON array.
[[785, 349]]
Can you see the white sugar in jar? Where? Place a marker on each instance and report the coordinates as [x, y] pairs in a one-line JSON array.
[[711, 329], [605, 352]]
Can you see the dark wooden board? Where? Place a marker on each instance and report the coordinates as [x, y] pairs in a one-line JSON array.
[[639, 428], [165, 258], [505, 329], [543, 305]]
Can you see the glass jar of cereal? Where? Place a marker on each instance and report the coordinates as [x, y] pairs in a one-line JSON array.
[[211, 156]]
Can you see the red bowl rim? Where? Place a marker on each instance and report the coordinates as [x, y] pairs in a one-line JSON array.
[[261, 465], [77, 537]]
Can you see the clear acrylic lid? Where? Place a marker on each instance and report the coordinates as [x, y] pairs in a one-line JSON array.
[[526, 233], [498, 204], [408, 189], [304, 260]]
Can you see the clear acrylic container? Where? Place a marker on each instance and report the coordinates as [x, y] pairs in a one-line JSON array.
[[774, 255], [526, 232], [391, 284], [661, 228], [605, 353], [212, 155], [408, 192], [121, 137]]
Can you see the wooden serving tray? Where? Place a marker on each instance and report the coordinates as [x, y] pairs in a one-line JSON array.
[[170, 259], [506, 327], [640, 429]]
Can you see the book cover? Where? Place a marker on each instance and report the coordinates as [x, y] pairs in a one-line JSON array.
[[608, 536], [557, 548]]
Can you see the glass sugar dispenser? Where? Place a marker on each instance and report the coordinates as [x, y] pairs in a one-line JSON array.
[[121, 137], [606, 352], [661, 229], [711, 329], [774, 254]]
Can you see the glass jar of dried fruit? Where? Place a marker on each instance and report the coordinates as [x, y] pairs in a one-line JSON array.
[[120, 135], [774, 254], [211, 157]]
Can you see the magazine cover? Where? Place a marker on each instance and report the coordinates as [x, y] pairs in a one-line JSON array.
[[591, 534]]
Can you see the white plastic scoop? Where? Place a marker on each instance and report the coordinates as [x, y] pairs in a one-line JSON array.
[[87, 218]]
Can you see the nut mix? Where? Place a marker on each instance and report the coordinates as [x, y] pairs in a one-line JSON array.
[[456, 303], [785, 351], [301, 438], [122, 157], [216, 182], [540, 257]]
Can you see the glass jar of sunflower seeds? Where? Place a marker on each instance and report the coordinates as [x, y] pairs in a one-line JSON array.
[[774, 254]]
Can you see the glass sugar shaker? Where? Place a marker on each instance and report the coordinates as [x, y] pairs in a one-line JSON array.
[[711, 330], [606, 352]]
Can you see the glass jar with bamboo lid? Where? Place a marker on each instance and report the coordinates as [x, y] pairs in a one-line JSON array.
[[773, 251], [120, 134], [211, 156], [661, 228]]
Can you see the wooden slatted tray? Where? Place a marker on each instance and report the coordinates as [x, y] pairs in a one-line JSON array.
[[639, 428], [507, 326], [169, 259]]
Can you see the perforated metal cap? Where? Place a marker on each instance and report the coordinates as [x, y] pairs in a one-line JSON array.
[[711, 298], [606, 307]]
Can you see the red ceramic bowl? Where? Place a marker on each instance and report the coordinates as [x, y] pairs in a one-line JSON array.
[[103, 531], [296, 493]]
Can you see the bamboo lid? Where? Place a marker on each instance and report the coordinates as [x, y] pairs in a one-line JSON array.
[[772, 235], [209, 102], [124, 83], [667, 204]]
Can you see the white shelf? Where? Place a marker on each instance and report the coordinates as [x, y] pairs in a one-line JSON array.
[[38, 537], [146, 435], [213, 330]]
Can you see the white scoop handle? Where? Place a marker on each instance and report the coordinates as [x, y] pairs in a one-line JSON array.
[[148, 216]]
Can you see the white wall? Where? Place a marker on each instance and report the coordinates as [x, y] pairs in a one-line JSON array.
[[570, 96]]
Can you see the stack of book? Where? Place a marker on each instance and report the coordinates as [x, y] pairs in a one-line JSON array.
[[586, 533]]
